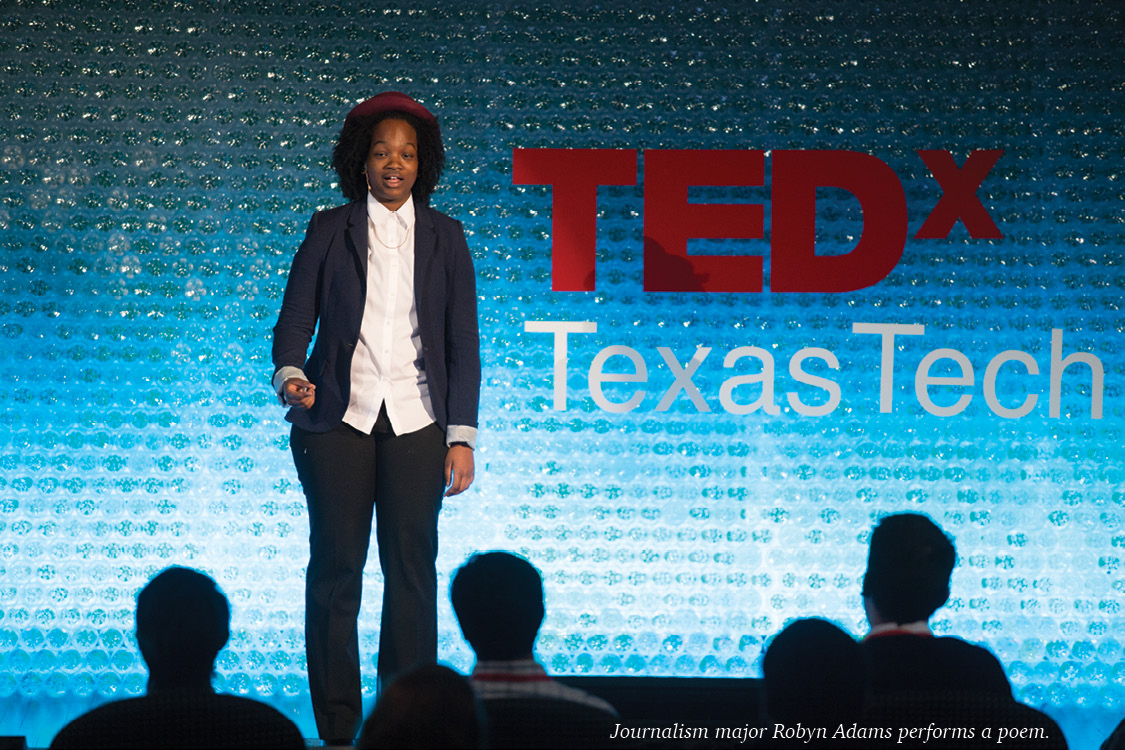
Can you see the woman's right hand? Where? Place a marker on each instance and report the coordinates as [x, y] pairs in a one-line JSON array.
[[298, 393]]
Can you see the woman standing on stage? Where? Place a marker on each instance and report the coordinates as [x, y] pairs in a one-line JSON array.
[[384, 409]]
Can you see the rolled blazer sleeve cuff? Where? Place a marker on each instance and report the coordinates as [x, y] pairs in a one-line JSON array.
[[459, 433], [284, 374]]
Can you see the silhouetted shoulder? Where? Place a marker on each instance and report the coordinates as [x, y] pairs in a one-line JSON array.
[[204, 720], [537, 722], [1115, 741], [960, 719], [912, 662]]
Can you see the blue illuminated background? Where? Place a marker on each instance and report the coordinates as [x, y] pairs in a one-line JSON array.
[[157, 170]]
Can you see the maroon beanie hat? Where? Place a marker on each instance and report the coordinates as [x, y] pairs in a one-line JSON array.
[[392, 101]]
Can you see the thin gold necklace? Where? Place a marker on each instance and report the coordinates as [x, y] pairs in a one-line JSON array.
[[409, 229]]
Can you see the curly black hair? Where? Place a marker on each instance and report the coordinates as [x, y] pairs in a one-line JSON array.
[[350, 154]]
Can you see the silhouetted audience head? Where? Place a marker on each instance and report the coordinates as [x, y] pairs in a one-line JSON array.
[[813, 672], [908, 569], [183, 621], [430, 706], [498, 599]]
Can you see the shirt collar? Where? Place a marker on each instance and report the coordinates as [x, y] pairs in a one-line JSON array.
[[919, 627], [380, 213], [508, 666]]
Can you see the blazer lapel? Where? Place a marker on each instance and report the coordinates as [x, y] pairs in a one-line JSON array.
[[425, 247], [357, 237]]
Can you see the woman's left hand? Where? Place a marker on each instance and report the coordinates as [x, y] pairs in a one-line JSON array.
[[458, 469]]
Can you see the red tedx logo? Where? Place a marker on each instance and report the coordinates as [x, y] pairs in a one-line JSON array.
[[670, 219]]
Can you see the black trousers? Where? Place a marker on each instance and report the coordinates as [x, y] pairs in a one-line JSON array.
[[346, 475]]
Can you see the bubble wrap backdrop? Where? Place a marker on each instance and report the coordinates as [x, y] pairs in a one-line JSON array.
[[158, 168]]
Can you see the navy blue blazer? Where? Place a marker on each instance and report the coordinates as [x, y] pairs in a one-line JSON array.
[[326, 292]]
